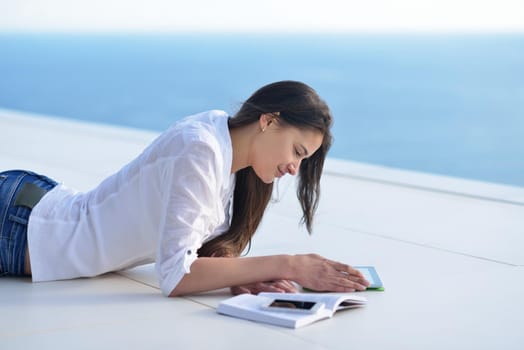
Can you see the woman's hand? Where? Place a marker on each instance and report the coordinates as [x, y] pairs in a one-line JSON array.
[[320, 274], [278, 286]]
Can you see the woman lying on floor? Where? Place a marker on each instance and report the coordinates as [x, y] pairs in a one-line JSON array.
[[172, 204]]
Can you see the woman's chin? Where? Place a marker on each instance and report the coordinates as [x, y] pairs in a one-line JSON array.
[[268, 182], [265, 178]]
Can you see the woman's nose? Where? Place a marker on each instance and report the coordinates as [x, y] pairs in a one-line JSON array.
[[293, 168]]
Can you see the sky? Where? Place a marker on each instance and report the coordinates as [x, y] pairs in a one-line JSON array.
[[262, 15]]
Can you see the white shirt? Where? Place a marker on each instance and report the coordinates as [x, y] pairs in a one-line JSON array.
[[161, 207]]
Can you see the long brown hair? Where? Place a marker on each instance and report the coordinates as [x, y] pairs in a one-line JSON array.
[[301, 107]]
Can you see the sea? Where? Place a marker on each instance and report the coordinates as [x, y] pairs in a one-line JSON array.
[[450, 104]]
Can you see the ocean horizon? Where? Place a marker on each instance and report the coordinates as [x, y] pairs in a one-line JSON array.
[[447, 104]]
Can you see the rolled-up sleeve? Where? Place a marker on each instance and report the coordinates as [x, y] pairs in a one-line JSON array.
[[191, 211]]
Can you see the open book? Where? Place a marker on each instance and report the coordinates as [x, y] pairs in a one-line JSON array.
[[291, 310]]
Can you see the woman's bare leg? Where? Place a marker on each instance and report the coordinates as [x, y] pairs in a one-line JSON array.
[[27, 264]]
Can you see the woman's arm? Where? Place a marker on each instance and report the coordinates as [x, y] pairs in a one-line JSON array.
[[312, 271]]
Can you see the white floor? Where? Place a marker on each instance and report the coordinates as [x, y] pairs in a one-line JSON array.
[[449, 251]]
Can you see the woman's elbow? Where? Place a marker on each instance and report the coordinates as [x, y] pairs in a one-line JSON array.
[[181, 289], [175, 293]]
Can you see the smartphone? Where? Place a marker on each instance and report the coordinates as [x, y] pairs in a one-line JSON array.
[[300, 306]]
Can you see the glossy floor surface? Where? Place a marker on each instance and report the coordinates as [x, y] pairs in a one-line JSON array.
[[449, 251]]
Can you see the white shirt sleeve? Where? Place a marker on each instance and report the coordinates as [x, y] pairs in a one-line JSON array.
[[192, 211]]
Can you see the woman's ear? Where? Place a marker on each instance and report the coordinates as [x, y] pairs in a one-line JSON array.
[[267, 119]]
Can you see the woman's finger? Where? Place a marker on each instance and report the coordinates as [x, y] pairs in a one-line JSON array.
[[267, 287], [357, 279], [352, 273], [285, 285], [346, 281], [347, 269], [239, 290]]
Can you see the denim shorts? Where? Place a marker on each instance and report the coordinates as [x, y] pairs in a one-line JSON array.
[[14, 216]]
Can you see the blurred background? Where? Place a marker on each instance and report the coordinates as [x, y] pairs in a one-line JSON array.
[[431, 86]]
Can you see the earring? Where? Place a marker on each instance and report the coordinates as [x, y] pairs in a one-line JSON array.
[[263, 129]]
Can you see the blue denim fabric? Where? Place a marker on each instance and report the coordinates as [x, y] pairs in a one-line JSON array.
[[14, 219]]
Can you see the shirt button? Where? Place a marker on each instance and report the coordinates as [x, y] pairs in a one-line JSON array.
[[189, 252]]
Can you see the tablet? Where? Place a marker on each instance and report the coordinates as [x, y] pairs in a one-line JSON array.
[[371, 275]]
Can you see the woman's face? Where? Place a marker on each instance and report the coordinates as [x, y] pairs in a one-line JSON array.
[[279, 149]]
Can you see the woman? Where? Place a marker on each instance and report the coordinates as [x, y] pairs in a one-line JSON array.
[[172, 204]]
